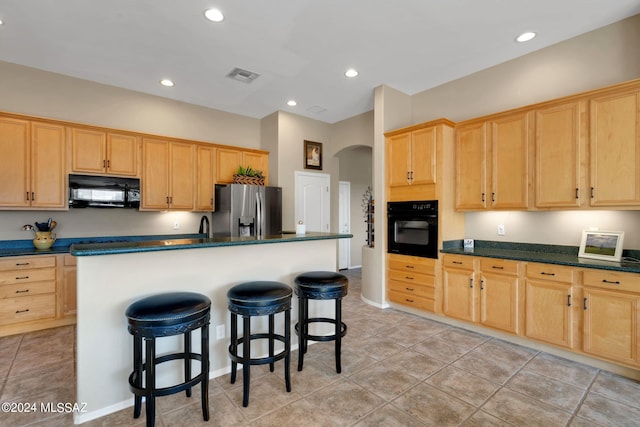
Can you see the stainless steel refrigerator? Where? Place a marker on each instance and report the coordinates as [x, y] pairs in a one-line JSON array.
[[247, 210]]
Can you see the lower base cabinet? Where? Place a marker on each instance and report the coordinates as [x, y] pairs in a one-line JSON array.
[[411, 281], [32, 294]]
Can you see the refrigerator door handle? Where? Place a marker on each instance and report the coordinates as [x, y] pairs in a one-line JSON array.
[[258, 215]]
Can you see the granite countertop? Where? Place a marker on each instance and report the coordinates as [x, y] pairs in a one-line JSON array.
[[548, 254]]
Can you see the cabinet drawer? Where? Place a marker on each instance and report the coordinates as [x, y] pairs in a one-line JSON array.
[[550, 272], [26, 276], [12, 263], [411, 278], [462, 262], [27, 289], [412, 301], [411, 264], [16, 310], [611, 280], [412, 289], [498, 266]]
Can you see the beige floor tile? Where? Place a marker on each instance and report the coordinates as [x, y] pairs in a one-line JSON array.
[[618, 388], [299, 413], [389, 416], [9, 347], [548, 390], [222, 412], [562, 369], [122, 418], [433, 407], [314, 376], [581, 422], [599, 409], [465, 386], [439, 349], [415, 364], [521, 410], [39, 383], [385, 380], [482, 419]]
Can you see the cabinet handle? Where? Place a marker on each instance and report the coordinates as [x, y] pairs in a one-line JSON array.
[[617, 282], [28, 196], [456, 262], [471, 282], [33, 196], [108, 164], [577, 194], [22, 263], [482, 285], [569, 300], [584, 304], [410, 289], [482, 197], [493, 197], [22, 277], [592, 192], [497, 267], [104, 163], [22, 292], [409, 266], [408, 277], [548, 274], [409, 300], [22, 311]]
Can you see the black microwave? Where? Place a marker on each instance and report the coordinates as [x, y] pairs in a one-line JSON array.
[[88, 191], [413, 228]]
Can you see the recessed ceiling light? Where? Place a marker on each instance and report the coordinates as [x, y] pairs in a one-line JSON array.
[[166, 82], [525, 37], [292, 103], [351, 72], [1, 22], [214, 15]]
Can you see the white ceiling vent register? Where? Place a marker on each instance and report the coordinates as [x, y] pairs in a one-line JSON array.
[[244, 76]]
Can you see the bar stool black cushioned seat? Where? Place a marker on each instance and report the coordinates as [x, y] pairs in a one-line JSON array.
[[259, 298], [320, 285], [165, 315]]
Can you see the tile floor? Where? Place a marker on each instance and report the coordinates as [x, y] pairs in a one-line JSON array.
[[398, 370]]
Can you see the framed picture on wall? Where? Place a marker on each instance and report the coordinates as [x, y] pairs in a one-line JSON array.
[[605, 245], [312, 155]]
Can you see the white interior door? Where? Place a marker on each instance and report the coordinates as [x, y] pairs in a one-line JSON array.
[[312, 200], [344, 219]]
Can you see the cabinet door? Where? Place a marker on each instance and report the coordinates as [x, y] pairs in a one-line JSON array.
[[611, 325], [14, 162], [471, 151], [257, 161], [398, 159], [499, 302], [155, 174], [227, 162], [423, 156], [88, 149], [69, 298], [48, 166], [559, 155], [548, 312], [510, 162], [182, 181], [458, 298], [205, 178], [122, 154], [615, 150]]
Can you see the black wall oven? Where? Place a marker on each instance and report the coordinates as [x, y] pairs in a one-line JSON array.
[[413, 228]]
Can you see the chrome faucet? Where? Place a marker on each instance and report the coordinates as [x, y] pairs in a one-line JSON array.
[[204, 225]]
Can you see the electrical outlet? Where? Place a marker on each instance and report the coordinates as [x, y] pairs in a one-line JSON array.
[[219, 332], [176, 225], [501, 230]]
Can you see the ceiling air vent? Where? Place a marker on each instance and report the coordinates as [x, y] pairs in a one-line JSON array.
[[244, 76]]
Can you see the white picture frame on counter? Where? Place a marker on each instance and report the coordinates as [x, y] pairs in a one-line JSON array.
[[603, 245]]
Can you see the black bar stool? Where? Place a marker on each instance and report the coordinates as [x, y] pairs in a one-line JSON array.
[[165, 315], [261, 298], [320, 285]]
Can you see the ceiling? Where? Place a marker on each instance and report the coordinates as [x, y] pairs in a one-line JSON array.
[[300, 48]]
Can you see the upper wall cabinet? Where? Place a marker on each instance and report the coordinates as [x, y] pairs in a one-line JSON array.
[[167, 175], [32, 164], [205, 181], [98, 152], [560, 155], [228, 160], [411, 158], [492, 163], [615, 149]]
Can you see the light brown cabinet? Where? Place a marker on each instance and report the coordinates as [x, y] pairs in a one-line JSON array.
[[492, 163], [67, 289], [551, 303], [611, 307], [168, 169], [32, 164], [411, 158], [500, 295], [205, 179], [560, 155], [228, 160], [98, 152], [459, 282], [411, 281], [615, 148]]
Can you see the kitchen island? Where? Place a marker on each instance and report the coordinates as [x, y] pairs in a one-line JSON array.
[[113, 275]]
